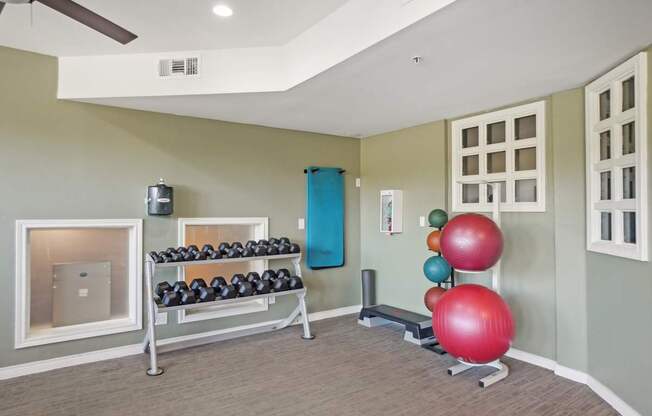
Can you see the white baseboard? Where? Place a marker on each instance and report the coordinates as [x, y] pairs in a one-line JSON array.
[[35, 367], [578, 376], [68, 361]]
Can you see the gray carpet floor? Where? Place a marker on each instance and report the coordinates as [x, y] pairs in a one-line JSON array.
[[346, 370]]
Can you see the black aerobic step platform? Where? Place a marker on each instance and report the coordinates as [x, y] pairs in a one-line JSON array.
[[418, 328]]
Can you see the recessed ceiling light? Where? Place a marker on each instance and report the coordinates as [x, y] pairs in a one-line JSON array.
[[223, 10]]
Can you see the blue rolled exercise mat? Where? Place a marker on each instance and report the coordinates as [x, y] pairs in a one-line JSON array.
[[324, 217]]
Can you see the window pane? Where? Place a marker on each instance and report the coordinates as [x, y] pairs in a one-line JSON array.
[[628, 94], [605, 145], [629, 183], [496, 162], [526, 159], [503, 192], [526, 190], [629, 227], [605, 226], [471, 193], [470, 137], [629, 138], [496, 132], [525, 127], [605, 186], [605, 105], [77, 276], [470, 165]]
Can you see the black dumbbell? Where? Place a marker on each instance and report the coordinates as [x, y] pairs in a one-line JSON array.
[[236, 244], [269, 275], [155, 257], [181, 250], [252, 277], [294, 248], [246, 252], [295, 283], [283, 249], [245, 289], [170, 298], [180, 285], [207, 248], [224, 248], [237, 279], [227, 292], [164, 257], [274, 241], [261, 287], [187, 297], [218, 283], [283, 274], [263, 242], [233, 253], [196, 284], [205, 294], [188, 256], [280, 285], [272, 250], [193, 248], [284, 240], [260, 250], [161, 288], [200, 255], [215, 255], [170, 250], [176, 257], [251, 244]]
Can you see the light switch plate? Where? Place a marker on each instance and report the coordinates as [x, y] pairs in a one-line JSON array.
[[357, 182], [422, 221], [302, 223]]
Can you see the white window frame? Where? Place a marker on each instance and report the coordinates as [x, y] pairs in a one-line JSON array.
[[260, 232], [24, 337], [509, 147], [612, 80]]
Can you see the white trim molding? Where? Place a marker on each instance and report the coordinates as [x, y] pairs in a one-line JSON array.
[[261, 231], [35, 367], [598, 388], [608, 120], [24, 336], [510, 145]]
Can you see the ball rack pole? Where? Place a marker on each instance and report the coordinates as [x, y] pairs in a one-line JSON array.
[[152, 346]]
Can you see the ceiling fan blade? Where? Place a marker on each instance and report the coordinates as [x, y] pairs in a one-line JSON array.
[[91, 19]]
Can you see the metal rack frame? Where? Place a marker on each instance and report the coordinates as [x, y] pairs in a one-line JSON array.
[[152, 346]]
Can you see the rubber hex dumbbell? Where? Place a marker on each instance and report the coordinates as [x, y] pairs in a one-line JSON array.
[[294, 248], [260, 250], [224, 248], [218, 283], [207, 248], [164, 257], [200, 255], [263, 242], [237, 244], [274, 241], [171, 298], [269, 275], [170, 250], [215, 255], [272, 250], [238, 279], [233, 253], [182, 250], [284, 240], [188, 256], [245, 289], [262, 287], [180, 285], [295, 283], [196, 284], [252, 277], [187, 297], [283, 249], [227, 292], [193, 248], [161, 288], [251, 244], [280, 285], [283, 274], [246, 252]]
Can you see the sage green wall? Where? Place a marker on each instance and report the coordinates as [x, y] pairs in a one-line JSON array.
[[413, 160], [71, 160], [620, 313]]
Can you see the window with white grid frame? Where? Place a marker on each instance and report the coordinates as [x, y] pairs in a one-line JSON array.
[[616, 161], [506, 146]]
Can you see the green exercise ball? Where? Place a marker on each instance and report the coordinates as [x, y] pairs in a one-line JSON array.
[[437, 218], [437, 269]]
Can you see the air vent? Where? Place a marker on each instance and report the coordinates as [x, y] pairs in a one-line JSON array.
[[178, 67]]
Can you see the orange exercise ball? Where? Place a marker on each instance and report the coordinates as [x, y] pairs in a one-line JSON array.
[[433, 240], [432, 296]]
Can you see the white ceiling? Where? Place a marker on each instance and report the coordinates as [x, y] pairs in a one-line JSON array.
[[162, 25], [477, 55]]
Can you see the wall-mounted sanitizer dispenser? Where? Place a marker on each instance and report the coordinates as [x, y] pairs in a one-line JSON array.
[[160, 199]]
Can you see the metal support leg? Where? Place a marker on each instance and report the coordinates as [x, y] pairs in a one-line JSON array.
[[154, 369], [503, 371], [304, 317]]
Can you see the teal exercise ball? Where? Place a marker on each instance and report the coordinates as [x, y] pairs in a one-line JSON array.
[[437, 218], [436, 269]]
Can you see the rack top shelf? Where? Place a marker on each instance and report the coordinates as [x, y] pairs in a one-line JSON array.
[[224, 260]]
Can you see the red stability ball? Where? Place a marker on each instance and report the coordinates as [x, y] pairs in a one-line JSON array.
[[473, 324], [432, 296], [471, 242]]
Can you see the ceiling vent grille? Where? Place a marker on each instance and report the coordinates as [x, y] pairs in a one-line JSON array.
[[178, 67]]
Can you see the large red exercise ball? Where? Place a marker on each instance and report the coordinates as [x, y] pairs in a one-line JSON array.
[[473, 324], [432, 296], [433, 240], [436, 269], [471, 242], [437, 218]]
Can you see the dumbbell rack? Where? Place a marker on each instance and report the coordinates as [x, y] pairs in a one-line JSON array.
[[151, 344]]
